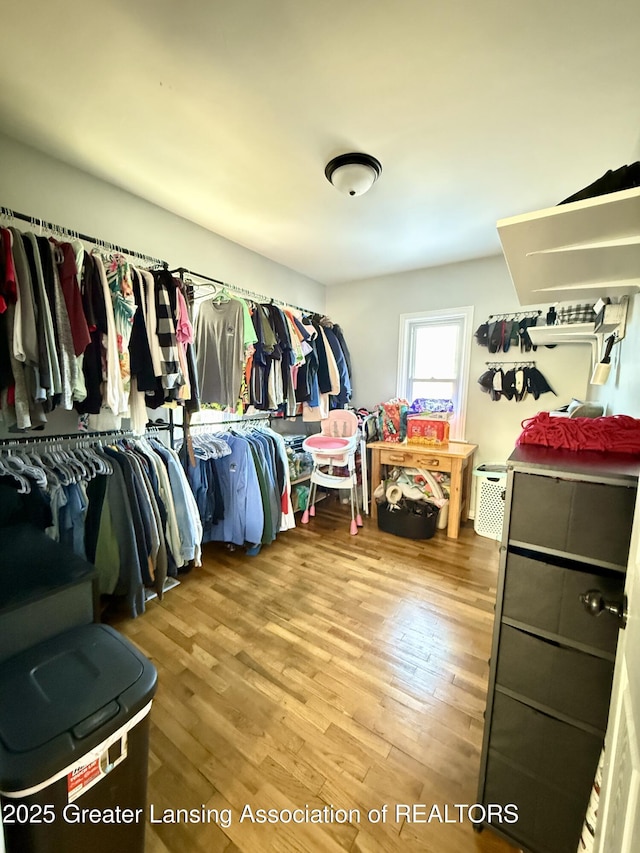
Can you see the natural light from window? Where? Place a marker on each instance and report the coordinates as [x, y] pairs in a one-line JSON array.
[[433, 359]]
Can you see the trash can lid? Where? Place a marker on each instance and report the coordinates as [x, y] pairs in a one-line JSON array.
[[53, 687]]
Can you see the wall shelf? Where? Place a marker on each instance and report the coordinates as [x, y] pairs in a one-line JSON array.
[[570, 333], [579, 251], [573, 333]]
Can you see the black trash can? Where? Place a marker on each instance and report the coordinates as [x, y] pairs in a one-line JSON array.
[[74, 741], [410, 519]]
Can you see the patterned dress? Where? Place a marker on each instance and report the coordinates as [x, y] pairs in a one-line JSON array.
[[120, 282]]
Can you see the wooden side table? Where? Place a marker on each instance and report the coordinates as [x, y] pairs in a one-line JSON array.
[[455, 459]]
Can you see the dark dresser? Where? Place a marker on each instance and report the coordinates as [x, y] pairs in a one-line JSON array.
[[565, 543]]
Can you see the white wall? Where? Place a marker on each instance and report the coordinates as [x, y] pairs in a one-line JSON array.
[[35, 184], [369, 313], [621, 394]]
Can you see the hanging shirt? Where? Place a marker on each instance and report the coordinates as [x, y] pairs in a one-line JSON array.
[[48, 366], [28, 311], [344, 395], [172, 378], [93, 303], [114, 396], [219, 333], [68, 273], [184, 337], [140, 358], [250, 338], [243, 510], [189, 523], [343, 346], [8, 289], [149, 296], [118, 271], [28, 351], [62, 326]]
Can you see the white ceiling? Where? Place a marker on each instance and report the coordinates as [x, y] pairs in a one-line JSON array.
[[227, 112]]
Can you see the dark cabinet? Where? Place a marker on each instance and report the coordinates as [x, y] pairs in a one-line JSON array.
[[567, 529], [591, 521]]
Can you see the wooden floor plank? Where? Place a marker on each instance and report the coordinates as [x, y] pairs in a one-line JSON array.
[[328, 671]]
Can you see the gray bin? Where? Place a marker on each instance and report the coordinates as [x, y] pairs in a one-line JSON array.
[[74, 731]]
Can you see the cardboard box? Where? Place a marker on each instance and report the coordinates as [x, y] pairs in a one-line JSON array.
[[427, 430]]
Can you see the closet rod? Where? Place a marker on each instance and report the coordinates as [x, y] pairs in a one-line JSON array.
[[245, 420], [258, 297], [69, 436], [515, 315], [501, 363], [69, 232], [94, 435]]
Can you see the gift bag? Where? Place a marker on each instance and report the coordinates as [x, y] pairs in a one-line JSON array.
[[392, 420]]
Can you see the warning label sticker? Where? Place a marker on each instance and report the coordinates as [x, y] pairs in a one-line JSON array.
[[95, 766]]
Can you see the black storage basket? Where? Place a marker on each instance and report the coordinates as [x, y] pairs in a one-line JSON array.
[[410, 519]]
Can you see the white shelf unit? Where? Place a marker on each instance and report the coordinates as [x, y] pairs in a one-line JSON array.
[[579, 251], [571, 333]]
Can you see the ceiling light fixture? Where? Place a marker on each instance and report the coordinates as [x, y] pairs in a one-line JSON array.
[[353, 174]]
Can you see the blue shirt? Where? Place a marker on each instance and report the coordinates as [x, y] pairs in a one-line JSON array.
[[243, 511]]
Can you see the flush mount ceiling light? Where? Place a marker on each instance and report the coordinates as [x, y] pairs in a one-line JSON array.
[[353, 174]]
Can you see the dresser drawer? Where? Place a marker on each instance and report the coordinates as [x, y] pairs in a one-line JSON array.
[[568, 682], [412, 459], [553, 751], [547, 597], [591, 520], [549, 819]]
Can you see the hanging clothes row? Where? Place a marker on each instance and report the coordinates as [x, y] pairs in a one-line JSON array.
[[273, 358], [124, 506], [88, 330], [91, 331], [502, 332], [515, 383], [241, 484]]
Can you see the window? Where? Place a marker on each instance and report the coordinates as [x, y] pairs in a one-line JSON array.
[[433, 359]]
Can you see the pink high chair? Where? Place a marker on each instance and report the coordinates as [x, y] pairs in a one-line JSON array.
[[335, 447]]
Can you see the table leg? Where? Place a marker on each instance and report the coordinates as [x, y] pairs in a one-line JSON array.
[[375, 480], [468, 486], [364, 476], [455, 499]]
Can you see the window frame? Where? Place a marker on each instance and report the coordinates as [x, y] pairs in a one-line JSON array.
[[408, 325]]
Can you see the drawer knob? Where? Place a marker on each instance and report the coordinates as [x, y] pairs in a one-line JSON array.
[[595, 604]]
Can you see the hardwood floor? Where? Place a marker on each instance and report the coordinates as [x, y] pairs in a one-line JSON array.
[[328, 671]]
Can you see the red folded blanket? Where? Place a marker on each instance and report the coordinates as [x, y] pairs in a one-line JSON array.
[[619, 433]]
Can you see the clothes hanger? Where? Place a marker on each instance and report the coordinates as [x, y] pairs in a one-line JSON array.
[[25, 485], [59, 468], [86, 470], [211, 444], [104, 463], [221, 295], [50, 473], [22, 463], [100, 462], [89, 463], [71, 465]]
